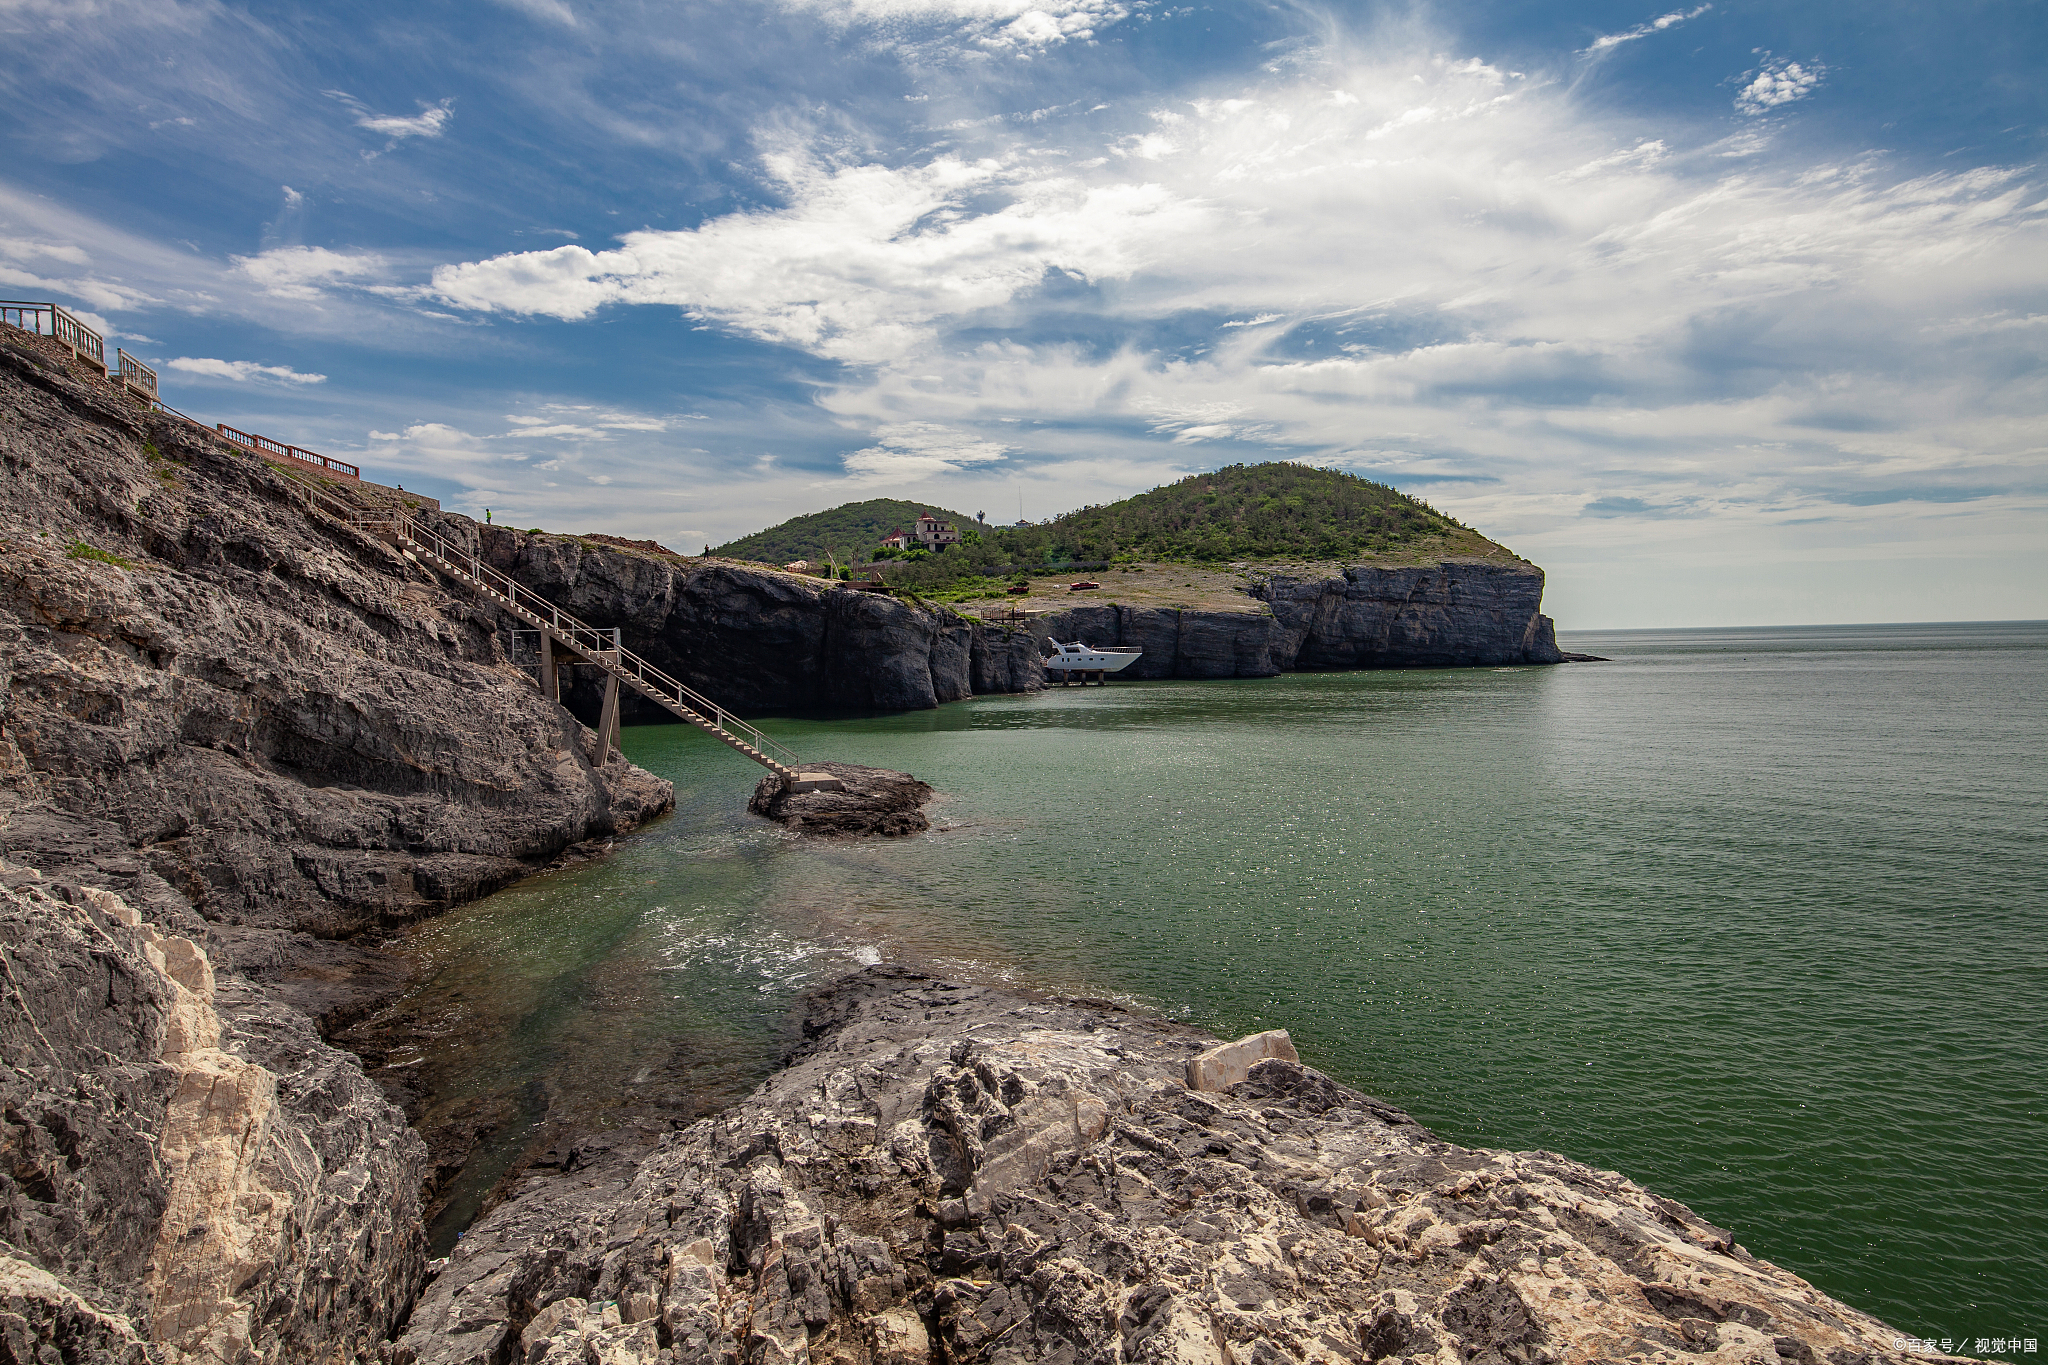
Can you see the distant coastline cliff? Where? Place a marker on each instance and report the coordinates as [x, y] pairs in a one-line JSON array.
[[1454, 613], [762, 639]]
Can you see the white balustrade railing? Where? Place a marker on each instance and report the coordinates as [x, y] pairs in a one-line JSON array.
[[51, 320]]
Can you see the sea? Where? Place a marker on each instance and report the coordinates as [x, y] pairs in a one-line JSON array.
[[1757, 917]]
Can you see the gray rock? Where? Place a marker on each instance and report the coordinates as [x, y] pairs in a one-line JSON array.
[[186, 1161], [1454, 613], [269, 717], [758, 640], [1458, 612], [964, 1173], [871, 801]]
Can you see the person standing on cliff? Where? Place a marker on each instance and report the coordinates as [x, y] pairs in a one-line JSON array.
[[487, 516]]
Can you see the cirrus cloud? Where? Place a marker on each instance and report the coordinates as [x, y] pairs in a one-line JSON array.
[[241, 371], [912, 452]]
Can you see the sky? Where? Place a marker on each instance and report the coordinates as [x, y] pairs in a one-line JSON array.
[[1729, 313]]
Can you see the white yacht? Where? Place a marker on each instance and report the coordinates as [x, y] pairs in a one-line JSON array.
[[1079, 658]]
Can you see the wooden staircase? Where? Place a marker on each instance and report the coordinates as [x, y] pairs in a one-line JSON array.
[[564, 638]]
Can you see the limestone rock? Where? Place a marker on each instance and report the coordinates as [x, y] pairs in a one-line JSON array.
[[1458, 612], [269, 717], [873, 801], [195, 1165], [1229, 1064], [949, 1172], [1454, 613]]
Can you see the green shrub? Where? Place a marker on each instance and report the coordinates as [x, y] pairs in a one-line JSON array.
[[80, 550]]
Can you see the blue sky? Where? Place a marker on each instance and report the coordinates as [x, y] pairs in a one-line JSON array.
[[1727, 313]]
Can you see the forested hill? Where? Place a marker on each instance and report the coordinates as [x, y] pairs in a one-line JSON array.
[[851, 532], [1250, 512]]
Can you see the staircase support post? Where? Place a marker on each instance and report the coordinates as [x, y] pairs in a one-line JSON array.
[[608, 721], [550, 677]]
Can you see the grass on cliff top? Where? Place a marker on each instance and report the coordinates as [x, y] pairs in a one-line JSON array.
[[851, 530], [1244, 512], [1284, 516]]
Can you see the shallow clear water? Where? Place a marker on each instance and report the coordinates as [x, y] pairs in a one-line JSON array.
[[1756, 917]]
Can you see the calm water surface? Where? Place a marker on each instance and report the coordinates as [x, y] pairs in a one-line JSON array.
[[1756, 917]]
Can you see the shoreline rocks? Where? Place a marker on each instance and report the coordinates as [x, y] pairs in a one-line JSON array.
[[187, 1163], [762, 640], [951, 1172]]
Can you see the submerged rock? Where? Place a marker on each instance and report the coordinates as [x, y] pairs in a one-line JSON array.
[[959, 1173], [873, 801]]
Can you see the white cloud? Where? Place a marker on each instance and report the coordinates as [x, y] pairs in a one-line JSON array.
[[1644, 154], [1018, 26], [554, 11], [241, 371], [428, 122], [297, 272], [860, 264], [909, 452], [1606, 42], [1779, 83], [20, 249]]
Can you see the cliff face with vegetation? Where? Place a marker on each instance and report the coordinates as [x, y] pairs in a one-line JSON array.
[[761, 640], [231, 736]]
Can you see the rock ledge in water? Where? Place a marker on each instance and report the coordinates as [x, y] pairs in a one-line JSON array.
[[957, 1173], [875, 801]]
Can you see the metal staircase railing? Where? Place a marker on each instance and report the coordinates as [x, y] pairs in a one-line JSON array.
[[596, 646]]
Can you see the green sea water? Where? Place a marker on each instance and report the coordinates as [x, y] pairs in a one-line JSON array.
[[1756, 917]]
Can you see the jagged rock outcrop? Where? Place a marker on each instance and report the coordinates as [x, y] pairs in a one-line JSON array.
[[760, 640], [1458, 612], [958, 1173], [1450, 614], [869, 802], [262, 732], [186, 1164]]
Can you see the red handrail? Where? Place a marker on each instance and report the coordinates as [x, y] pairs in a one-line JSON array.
[[263, 445]]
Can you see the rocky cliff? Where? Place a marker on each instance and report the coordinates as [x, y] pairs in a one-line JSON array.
[[761, 640], [953, 1174], [231, 736], [1448, 614]]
